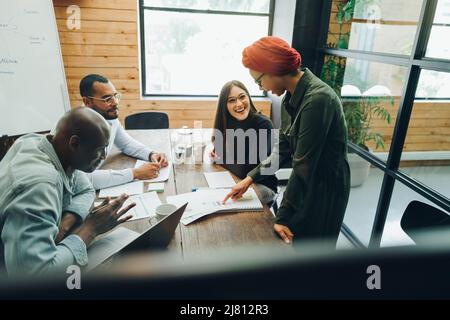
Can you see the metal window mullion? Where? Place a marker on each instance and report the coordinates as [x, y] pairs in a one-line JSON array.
[[324, 25], [395, 151], [271, 17], [386, 58], [402, 122], [425, 191], [142, 47], [348, 233], [367, 156], [185, 10], [441, 24], [433, 64], [427, 17], [403, 117]]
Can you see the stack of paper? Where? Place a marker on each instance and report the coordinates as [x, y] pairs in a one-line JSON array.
[[146, 204], [207, 201], [136, 187]]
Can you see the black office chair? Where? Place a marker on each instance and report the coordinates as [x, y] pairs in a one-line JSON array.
[[147, 120], [420, 217]]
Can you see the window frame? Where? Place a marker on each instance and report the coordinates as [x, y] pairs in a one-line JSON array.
[[142, 62], [415, 62]]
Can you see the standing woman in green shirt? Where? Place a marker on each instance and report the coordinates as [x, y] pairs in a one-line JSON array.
[[313, 140]]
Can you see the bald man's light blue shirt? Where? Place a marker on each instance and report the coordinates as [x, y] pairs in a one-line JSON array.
[[34, 193]]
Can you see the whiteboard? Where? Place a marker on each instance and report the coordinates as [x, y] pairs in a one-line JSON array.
[[33, 89]]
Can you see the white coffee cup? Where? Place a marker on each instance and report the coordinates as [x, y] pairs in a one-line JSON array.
[[165, 209]]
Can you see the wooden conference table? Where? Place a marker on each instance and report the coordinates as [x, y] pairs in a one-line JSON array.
[[208, 233]]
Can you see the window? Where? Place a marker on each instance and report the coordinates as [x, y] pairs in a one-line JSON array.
[[192, 47], [438, 44], [384, 26], [362, 202], [393, 234], [370, 93], [396, 56], [426, 152], [435, 85]]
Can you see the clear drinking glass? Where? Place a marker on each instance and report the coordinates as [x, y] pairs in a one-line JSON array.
[[182, 145], [179, 155], [186, 143]]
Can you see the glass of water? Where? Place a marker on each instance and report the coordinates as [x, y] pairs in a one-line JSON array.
[[179, 154], [182, 145]]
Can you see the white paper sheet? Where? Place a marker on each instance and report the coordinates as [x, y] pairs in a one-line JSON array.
[[207, 201], [283, 173], [136, 187], [157, 186], [164, 173], [145, 205], [219, 179]]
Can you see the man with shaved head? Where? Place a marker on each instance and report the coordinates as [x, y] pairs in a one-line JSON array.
[[45, 219]]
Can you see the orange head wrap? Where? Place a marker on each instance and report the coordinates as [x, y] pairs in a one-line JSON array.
[[271, 55]]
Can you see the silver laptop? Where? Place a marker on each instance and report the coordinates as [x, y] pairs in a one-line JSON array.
[[121, 239]]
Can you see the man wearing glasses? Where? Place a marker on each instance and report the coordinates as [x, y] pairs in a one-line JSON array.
[[100, 95]]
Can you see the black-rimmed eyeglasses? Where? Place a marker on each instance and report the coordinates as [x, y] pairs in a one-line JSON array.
[[258, 81]]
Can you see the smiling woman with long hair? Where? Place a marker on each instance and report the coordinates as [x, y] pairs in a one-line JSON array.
[[240, 126]]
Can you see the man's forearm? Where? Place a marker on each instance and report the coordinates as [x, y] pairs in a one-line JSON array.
[[69, 222]]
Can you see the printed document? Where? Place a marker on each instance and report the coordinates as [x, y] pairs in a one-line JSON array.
[[135, 187], [206, 201], [219, 179]]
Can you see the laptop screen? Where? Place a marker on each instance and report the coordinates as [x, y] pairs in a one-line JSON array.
[[122, 239]]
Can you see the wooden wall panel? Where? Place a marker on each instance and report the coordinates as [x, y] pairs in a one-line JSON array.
[[429, 128], [100, 27], [107, 43]]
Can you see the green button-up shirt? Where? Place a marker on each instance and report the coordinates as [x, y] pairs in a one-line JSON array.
[[34, 192], [313, 140]]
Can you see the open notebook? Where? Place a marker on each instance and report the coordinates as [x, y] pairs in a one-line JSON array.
[[164, 173], [207, 201]]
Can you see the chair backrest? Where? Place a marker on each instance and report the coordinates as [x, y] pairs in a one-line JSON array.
[[147, 120], [421, 217]]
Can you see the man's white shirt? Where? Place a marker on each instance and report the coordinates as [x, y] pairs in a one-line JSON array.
[[126, 144]]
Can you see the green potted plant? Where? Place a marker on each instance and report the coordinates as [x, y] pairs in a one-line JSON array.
[[344, 15], [345, 12], [359, 114], [360, 110]]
